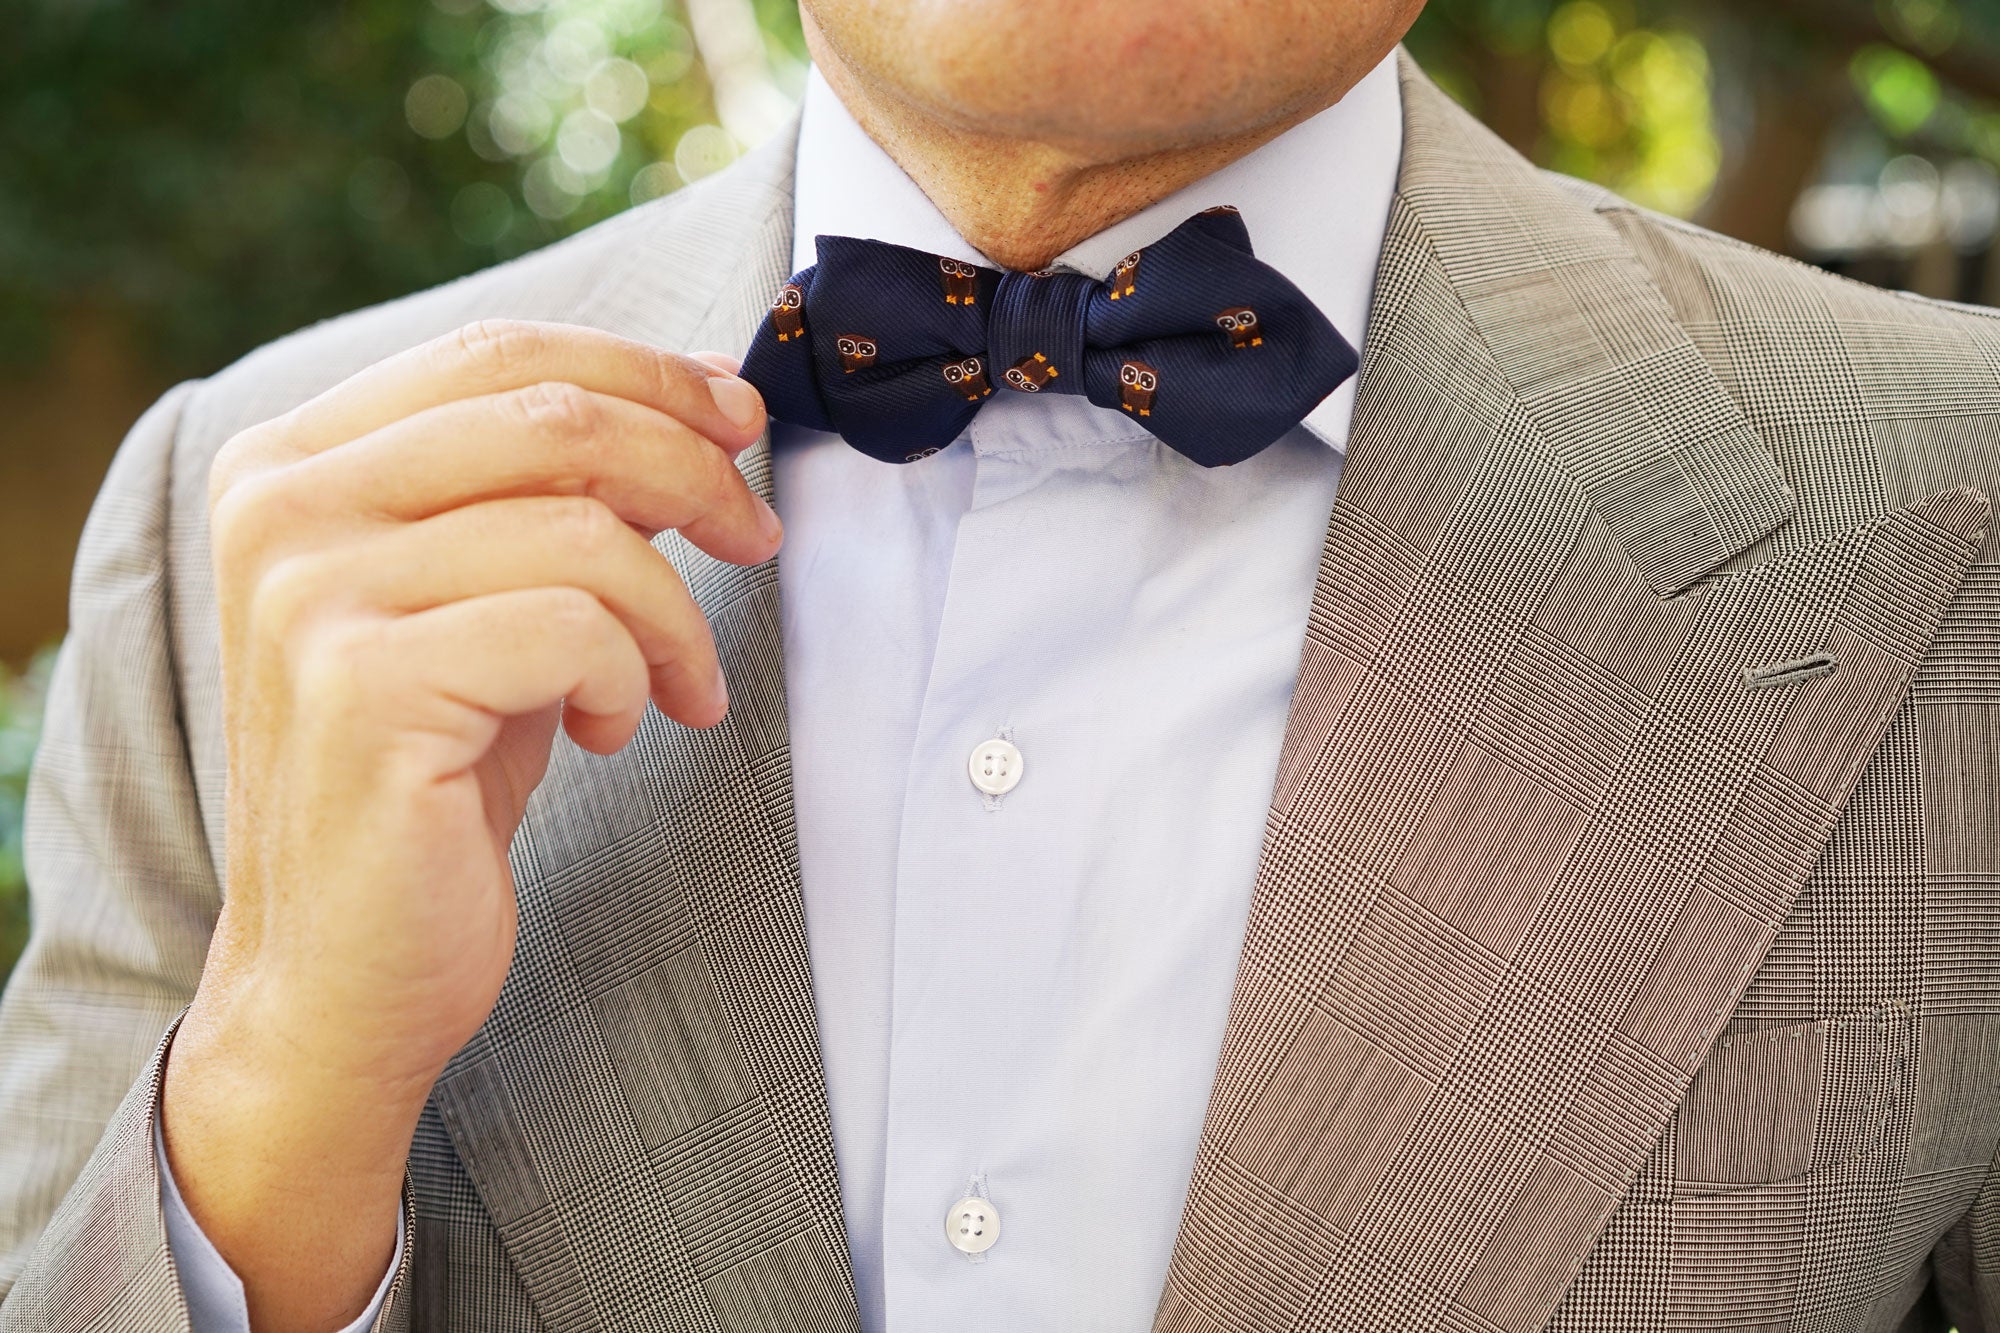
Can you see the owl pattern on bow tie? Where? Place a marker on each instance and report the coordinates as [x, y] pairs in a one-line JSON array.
[[1030, 373], [968, 376], [1240, 323], [961, 282], [857, 351], [788, 318], [1124, 279], [895, 349]]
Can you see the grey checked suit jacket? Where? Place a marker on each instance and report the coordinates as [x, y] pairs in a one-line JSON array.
[[1604, 970]]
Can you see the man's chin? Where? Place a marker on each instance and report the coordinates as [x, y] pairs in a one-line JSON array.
[[1105, 78]]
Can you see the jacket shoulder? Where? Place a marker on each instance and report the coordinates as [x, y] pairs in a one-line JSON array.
[[1712, 281], [1867, 398]]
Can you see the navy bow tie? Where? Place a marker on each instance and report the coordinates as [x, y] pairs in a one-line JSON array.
[[1196, 339]]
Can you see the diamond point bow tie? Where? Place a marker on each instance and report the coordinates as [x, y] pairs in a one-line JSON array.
[[1196, 339]]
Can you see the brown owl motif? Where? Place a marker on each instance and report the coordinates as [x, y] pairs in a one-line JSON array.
[[968, 377], [1241, 324], [1030, 373], [1221, 208], [922, 454], [1126, 276], [1137, 382], [961, 282], [856, 351], [788, 314]]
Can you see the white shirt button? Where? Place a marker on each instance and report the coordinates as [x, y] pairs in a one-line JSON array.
[[972, 1225], [995, 767]]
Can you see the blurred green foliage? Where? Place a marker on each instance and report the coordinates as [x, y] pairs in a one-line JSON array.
[[21, 695], [1651, 97], [222, 171], [1619, 94]]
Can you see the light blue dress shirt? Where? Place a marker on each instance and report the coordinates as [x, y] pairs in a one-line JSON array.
[[1022, 997]]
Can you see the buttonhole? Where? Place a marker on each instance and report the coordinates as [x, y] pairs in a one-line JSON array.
[[1788, 673]]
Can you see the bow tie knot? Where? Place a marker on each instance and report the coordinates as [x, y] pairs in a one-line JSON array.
[[896, 349], [1036, 328]]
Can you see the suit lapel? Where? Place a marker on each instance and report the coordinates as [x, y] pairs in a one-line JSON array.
[[1533, 829], [644, 1113]]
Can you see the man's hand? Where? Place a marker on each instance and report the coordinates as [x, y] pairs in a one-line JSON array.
[[419, 574]]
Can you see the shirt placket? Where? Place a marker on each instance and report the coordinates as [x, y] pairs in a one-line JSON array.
[[978, 988]]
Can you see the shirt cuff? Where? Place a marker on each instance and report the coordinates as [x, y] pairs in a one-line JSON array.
[[214, 1294]]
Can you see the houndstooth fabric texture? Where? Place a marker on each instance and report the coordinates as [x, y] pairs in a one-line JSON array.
[[1586, 987]]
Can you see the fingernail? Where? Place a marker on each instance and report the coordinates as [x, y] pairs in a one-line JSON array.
[[736, 400], [721, 695]]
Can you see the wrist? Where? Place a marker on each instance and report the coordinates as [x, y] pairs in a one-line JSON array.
[[248, 1075], [301, 1035]]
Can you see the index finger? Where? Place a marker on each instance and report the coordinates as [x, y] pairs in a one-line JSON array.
[[494, 356]]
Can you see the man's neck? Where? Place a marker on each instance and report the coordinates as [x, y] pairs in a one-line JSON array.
[[1022, 202]]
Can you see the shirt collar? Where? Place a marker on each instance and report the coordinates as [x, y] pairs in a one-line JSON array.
[[1316, 200]]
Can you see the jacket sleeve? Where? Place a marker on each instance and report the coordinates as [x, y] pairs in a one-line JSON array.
[[123, 898]]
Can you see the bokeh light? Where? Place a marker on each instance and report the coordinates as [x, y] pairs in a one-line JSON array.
[[435, 106], [1900, 89], [598, 104], [703, 151], [481, 213], [617, 88], [1630, 105]]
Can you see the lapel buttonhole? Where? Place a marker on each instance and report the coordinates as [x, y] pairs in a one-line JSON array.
[[1788, 673]]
